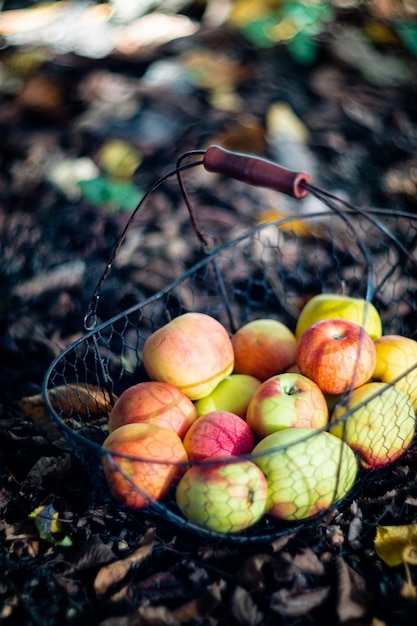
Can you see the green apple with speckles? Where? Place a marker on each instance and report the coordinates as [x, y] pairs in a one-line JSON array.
[[307, 471], [223, 497], [377, 421]]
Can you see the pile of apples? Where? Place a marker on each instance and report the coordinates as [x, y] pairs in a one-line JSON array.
[[265, 421]]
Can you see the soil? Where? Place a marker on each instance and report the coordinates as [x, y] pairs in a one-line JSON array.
[[69, 554]]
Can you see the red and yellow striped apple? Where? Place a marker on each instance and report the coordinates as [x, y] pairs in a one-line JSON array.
[[192, 352], [218, 434], [141, 462], [337, 354], [156, 403], [263, 348]]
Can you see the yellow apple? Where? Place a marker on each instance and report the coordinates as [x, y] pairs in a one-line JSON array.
[[395, 355], [307, 471], [332, 305], [377, 421]]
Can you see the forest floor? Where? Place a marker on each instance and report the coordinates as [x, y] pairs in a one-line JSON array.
[[90, 119]]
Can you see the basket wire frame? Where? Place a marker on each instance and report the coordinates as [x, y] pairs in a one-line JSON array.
[[267, 271]]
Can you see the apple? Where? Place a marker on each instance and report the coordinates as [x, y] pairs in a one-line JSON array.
[[263, 348], [192, 352], [286, 400], [225, 497], [333, 305], [141, 462], [231, 394], [337, 354], [307, 471], [218, 434], [395, 355], [154, 402], [376, 420]]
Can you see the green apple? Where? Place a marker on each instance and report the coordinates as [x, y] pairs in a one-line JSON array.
[[231, 394], [332, 305], [284, 401], [307, 471], [223, 497], [395, 355], [377, 421]]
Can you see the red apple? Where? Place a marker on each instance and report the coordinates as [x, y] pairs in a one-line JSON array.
[[156, 403], [286, 400], [337, 354], [218, 434]]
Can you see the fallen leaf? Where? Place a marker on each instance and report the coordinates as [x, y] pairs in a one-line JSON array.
[[244, 609], [150, 31], [195, 610], [69, 401], [353, 600], [297, 602], [114, 573], [393, 543], [296, 227], [214, 70], [119, 159], [49, 526]]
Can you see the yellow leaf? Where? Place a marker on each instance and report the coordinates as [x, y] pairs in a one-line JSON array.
[[396, 544], [296, 227]]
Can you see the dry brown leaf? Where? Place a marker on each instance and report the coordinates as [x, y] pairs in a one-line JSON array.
[[196, 609], [114, 573], [297, 602], [353, 600], [70, 400], [244, 609]]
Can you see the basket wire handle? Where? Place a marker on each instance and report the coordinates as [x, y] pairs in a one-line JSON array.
[[246, 168]]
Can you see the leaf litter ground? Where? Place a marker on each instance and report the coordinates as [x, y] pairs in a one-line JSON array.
[[68, 554]]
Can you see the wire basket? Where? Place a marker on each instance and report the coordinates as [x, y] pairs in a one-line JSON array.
[[267, 271]]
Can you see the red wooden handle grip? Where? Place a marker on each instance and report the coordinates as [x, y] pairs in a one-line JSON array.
[[255, 171]]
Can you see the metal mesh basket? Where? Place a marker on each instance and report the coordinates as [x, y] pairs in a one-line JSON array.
[[268, 270]]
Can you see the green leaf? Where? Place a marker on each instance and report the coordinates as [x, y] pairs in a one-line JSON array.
[[111, 194], [303, 49], [408, 34]]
